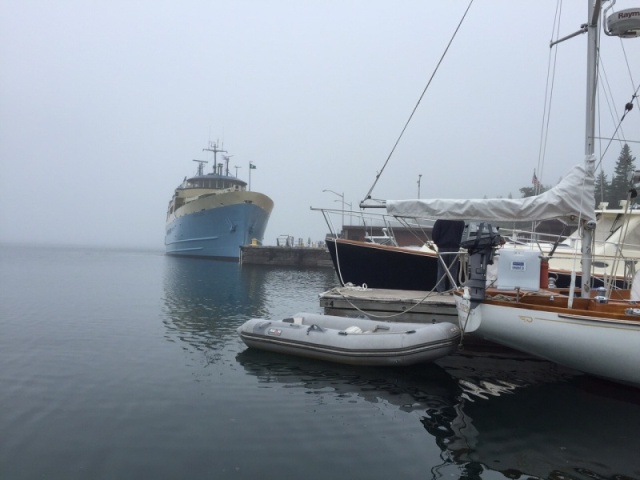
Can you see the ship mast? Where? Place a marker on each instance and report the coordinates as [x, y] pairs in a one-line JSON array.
[[213, 147]]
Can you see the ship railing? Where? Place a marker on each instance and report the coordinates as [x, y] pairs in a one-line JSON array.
[[376, 227]]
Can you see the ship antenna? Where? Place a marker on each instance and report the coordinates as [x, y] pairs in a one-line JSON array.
[[213, 147], [226, 161], [200, 166]]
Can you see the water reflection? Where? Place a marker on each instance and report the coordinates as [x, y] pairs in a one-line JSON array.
[[409, 389], [525, 425], [581, 429], [206, 300], [490, 371]]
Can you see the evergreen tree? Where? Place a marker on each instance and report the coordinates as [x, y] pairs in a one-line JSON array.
[[621, 181], [605, 191], [601, 188]]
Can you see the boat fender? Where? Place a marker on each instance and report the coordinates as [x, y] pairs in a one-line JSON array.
[[544, 272]]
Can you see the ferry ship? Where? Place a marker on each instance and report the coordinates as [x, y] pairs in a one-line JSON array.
[[214, 214]]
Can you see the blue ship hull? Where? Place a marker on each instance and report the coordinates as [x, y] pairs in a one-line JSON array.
[[213, 215], [217, 232]]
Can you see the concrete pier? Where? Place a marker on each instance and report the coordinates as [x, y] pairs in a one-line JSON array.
[[285, 256]]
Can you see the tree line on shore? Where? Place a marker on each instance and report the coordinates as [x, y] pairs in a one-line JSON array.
[[607, 191]]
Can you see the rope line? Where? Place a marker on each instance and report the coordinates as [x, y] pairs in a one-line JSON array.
[[368, 195]]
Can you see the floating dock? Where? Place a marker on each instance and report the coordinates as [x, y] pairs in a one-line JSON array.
[[389, 305], [285, 256]]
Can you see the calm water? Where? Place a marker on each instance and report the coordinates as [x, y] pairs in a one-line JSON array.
[[126, 365]]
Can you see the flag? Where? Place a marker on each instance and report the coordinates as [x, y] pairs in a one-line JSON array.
[[252, 166], [534, 180]]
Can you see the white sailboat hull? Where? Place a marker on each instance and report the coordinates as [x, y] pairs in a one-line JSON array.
[[607, 348]]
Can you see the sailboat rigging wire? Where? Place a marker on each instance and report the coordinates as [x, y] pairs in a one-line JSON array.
[[617, 256], [626, 60], [610, 101], [368, 195], [628, 106], [608, 95], [627, 109], [548, 95]]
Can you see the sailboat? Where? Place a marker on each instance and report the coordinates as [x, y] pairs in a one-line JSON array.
[[596, 332]]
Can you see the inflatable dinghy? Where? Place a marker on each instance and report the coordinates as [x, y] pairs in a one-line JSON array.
[[353, 341]]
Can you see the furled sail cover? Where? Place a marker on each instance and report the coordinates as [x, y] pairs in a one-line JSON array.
[[572, 198]]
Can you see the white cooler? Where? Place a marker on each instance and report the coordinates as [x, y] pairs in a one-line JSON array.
[[518, 269]]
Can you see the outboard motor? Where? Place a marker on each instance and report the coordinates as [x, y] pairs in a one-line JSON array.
[[480, 240]]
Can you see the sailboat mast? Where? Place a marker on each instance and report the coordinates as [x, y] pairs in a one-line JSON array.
[[593, 33], [593, 37]]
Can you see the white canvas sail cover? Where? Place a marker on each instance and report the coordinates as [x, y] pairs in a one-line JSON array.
[[570, 199]]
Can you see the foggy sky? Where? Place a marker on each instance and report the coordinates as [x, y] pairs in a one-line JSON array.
[[103, 106]]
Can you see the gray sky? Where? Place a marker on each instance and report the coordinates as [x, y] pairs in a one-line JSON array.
[[104, 104]]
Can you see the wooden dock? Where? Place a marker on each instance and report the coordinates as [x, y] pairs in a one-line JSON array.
[[389, 305]]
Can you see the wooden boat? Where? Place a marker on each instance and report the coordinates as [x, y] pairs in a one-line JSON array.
[[596, 334], [383, 266], [353, 341], [393, 267]]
